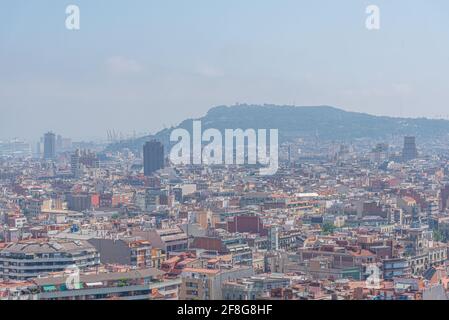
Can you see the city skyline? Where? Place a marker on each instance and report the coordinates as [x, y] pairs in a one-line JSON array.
[[258, 154], [115, 135]]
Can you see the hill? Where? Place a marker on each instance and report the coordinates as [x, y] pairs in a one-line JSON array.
[[324, 122]]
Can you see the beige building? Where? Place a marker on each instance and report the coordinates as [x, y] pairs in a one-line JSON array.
[[205, 284]]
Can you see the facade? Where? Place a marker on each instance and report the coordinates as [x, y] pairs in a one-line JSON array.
[[253, 288], [75, 163], [139, 284], [26, 260], [169, 240], [430, 257], [409, 152], [153, 157], [394, 268], [137, 253], [205, 284], [79, 202], [444, 197], [49, 146], [238, 247]]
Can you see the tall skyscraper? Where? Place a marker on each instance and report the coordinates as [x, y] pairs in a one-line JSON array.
[[49, 146], [444, 197], [59, 143], [38, 153], [409, 152], [75, 163], [153, 157], [380, 153]]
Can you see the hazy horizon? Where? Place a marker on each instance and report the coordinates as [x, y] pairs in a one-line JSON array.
[[139, 66]]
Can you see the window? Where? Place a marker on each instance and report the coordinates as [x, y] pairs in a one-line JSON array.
[[192, 292]]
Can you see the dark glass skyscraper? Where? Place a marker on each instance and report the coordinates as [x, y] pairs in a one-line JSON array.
[[153, 157], [49, 146], [409, 152]]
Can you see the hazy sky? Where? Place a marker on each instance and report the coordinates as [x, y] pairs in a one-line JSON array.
[[140, 65]]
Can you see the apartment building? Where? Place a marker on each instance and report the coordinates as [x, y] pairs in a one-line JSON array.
[[123, 284], [205, 284], [140, 284], [170, 239], [30, 259], [254, 287], [138, 253]]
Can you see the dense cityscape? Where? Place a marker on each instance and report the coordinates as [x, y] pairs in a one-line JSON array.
[[223, 159], [366, 220]]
